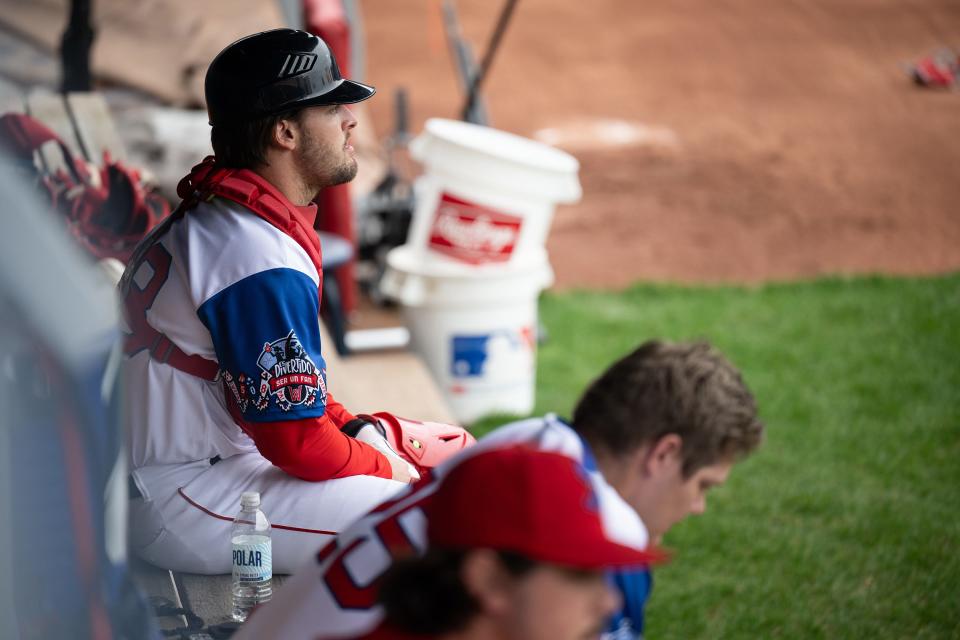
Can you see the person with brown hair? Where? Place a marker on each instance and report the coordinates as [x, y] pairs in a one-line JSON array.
[[656, 431], [681, 415], [663, 425]]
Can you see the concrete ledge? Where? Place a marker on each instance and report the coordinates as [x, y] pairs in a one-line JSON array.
[[206, 596], [209, 596], [158, 583], [394, 381]]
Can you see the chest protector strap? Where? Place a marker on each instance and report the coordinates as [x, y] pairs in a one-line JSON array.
[[204, 182]]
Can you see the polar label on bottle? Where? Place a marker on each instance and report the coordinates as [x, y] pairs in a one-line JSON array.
[[252, 558]]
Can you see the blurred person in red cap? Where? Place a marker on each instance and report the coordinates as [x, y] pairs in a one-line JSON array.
[[542, 576]]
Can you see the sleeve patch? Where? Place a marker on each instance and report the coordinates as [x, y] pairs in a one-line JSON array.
[[266, 333], [288, 377]]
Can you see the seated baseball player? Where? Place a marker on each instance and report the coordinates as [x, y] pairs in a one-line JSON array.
[[517, 550], [655, 432], [225, 383]]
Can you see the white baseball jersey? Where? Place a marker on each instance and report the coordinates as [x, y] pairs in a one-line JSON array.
[[173, 416], [224, 284]]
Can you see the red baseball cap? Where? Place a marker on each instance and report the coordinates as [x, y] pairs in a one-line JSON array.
[[535, 503]]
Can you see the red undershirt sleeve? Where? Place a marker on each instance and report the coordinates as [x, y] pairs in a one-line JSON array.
[[337, 413], [314, 449]]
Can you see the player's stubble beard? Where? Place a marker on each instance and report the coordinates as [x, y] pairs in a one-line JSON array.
[[325, 164]]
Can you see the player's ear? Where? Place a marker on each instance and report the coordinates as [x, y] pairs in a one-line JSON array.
[[285, 133], [487, 581], [664, 454]]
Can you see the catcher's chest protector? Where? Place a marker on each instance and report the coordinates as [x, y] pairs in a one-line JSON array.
[[204, 182]]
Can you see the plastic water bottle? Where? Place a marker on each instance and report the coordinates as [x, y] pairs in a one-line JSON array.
[[252, 557]]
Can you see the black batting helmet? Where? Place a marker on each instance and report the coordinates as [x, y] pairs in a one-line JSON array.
[[275, 71]]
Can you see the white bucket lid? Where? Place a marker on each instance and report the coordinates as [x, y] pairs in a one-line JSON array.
[[414, 281], [497, 159]]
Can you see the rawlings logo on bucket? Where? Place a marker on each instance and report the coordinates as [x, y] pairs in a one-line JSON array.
[[473, 233]]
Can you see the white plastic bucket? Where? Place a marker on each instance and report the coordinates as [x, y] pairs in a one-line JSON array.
[[487, 196], [476, 328]]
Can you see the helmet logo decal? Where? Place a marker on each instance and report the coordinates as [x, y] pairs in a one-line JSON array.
[[297, 63]]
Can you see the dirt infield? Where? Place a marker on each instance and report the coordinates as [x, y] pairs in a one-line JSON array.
[[754, 140]]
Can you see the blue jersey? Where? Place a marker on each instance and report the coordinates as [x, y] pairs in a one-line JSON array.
[[633, 585], [634, 588]]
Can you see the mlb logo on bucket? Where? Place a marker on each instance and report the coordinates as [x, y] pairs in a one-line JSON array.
[[495, 358], [473, 233], [469, 355]]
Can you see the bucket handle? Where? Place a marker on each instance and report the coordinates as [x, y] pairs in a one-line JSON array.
[[408, 289]]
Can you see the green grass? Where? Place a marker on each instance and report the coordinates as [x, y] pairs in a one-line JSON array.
[[846, 522]]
